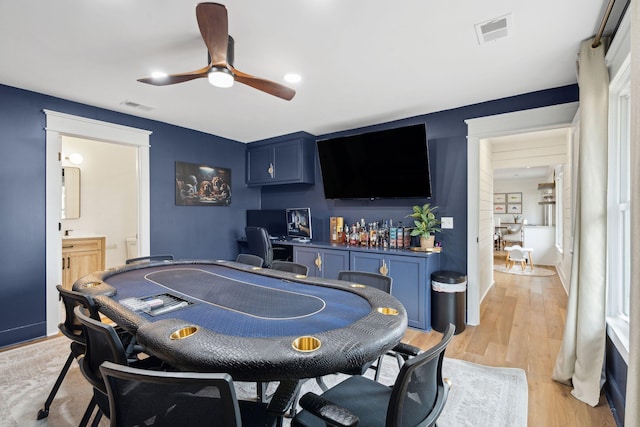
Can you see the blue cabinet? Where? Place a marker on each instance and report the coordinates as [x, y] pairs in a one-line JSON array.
[[290, 161], [411, 280], [322, 262]]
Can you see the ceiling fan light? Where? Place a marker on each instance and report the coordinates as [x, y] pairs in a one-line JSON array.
[[220, 77]]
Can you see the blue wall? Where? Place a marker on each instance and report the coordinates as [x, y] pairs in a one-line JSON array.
[[186, 232], [447, 136], [201, 232]]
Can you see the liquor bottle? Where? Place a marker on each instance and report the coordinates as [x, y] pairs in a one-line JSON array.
[[364, 234], [354, 237], [345, 234], [373, 234]]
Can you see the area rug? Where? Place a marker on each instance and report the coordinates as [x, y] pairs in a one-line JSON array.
[[516, 269], [480, 395]]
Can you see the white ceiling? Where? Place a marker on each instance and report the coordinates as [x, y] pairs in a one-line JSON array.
[[362, 61]]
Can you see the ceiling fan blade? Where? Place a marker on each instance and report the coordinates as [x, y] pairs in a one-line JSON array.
[[176, 78], [214, 27], [267, 86]]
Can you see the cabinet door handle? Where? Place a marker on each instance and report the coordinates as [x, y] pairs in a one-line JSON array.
[[270, 170], [67, 246], [63, 263], [383, 268], [318, 262], [68, 262]]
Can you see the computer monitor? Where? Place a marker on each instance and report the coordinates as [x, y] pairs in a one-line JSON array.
[[274, 220], [299, 223]]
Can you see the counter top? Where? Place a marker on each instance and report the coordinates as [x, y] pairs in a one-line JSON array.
[[353, 248]]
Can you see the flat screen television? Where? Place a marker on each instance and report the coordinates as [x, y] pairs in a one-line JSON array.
[[299, 223], [391, 163]]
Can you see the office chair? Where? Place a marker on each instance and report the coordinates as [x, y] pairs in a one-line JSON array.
[[260, 244], [249, 259], [401, 351], [289, 266], [152, 398], [416, 398], [102, 344], [150, 258], [71, 329]]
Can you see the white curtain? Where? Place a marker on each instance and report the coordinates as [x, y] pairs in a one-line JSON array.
[[632, 410], [580, 359]]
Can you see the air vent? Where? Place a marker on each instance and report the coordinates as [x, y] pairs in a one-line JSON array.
[[494, 29], [137, 106]]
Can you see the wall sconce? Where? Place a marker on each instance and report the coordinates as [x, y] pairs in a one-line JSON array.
[[75, 158]]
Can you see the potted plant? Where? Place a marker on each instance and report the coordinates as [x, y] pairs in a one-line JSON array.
[[426, 224]]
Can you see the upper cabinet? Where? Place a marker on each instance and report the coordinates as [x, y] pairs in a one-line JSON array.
[[281, 161]]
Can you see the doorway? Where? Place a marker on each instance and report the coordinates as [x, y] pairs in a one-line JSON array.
[[480, 188], [59, 125]]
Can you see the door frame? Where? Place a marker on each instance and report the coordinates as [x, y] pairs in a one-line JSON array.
[[57, 125], [536, 119]]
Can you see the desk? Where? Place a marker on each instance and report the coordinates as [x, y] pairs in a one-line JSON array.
[[247, 320]]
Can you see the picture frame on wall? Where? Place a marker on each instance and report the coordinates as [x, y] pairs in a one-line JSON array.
[[499, 198], [514, 208], [514, 197], [198, 184], [499, 208]]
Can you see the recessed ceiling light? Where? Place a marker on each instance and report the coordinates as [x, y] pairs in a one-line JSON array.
[[158, 75], [292, 78]]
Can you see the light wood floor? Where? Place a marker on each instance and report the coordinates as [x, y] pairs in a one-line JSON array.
[[521, 325]]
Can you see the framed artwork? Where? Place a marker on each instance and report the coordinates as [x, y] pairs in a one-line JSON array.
[[514, 197], [514, 208], [203, 185], [499, 198], [499, 208]]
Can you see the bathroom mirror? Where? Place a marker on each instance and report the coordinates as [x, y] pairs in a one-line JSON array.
[[70, 193]]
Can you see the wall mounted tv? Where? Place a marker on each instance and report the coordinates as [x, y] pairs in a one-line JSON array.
[[391, 163]]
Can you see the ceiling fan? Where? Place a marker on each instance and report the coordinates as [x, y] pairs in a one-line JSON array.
[[213, 23]]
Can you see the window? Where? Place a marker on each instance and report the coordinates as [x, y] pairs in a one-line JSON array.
[[619, 204]]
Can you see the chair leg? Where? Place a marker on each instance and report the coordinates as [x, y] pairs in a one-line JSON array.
[[97, 418], [378, 369], [87, 413], [44, 412]]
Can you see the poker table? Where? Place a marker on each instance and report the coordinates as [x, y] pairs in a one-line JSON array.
[[254, 323]]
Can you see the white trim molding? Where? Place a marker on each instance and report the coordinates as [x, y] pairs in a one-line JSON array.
[[61, 124], [533, 120]]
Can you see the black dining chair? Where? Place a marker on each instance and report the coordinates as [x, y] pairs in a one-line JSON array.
[[290, 266], [71, 329], [149, 258], [417, 397], [401, 351], [103, 344], [140, 397], [249, 259]]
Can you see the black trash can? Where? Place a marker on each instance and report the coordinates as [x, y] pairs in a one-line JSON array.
[[448, 300]]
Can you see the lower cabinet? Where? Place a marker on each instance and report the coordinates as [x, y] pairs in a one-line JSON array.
[[322, 262], [80, 257], [411, 274], [411, 281]]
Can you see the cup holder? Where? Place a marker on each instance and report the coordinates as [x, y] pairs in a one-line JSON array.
[[387, 311], [183, 333], [306, 344], [91, 284]]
